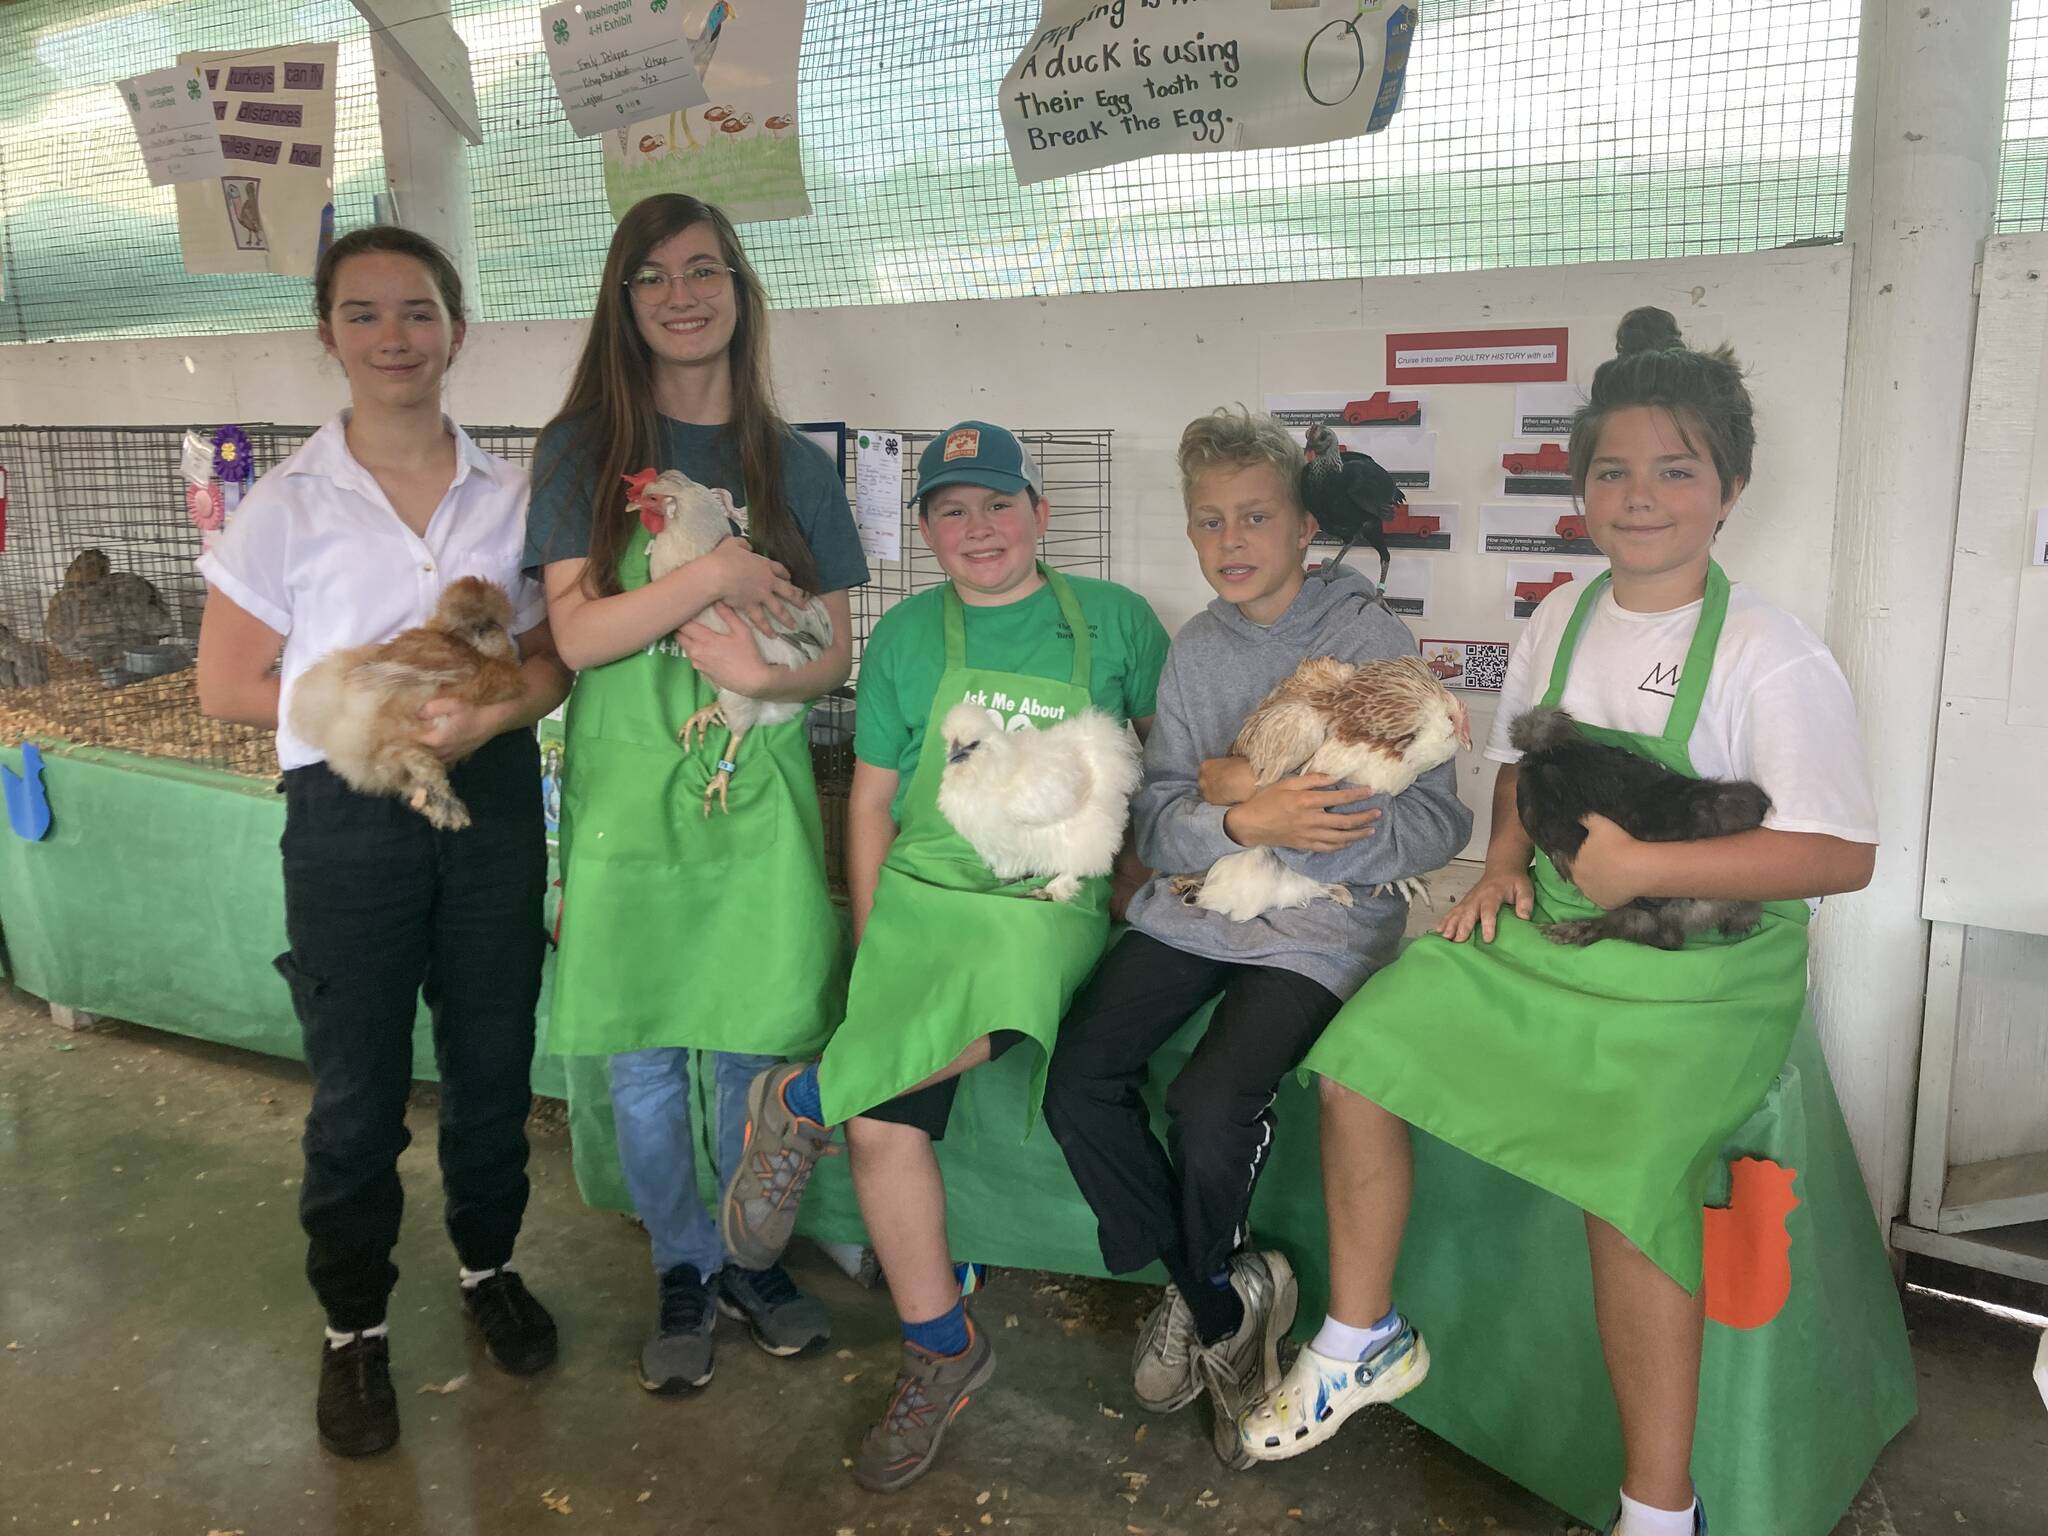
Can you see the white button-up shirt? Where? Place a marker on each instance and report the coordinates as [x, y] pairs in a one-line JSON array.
[[317, 552]]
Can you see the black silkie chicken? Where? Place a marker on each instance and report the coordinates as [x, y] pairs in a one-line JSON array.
[[1565, 777], [1350, 497]]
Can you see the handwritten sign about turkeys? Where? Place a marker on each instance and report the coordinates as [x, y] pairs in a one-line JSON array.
[[1101, 83], [173, 116], [617, 62], [271, 206]]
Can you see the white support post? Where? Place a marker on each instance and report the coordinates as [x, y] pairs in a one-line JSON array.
[[1930, 93], [426, 113]]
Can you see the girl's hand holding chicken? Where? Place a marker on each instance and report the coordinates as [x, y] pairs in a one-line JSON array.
[[730, 659], [1301, 813], [452, 728], [757, 586]]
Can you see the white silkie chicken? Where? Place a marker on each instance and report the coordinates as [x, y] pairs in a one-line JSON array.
[[1050, 802], [1377, 724], [688, 520]]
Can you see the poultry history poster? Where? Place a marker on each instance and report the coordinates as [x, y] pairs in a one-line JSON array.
[[271, 211], [1101, 83], [740, 149]]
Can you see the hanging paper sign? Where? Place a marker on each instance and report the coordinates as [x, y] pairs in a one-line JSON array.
[[1097, 84], [263, 212], [739, 149], [619, 61], [878, 494], [1527, 355], [173, 116]]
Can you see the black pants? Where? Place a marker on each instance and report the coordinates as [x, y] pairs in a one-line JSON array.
[[1185, 1202], [378, 907], [930, 1108]]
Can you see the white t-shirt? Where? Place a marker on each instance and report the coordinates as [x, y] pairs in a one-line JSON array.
[[1777, 710], [317, 553]]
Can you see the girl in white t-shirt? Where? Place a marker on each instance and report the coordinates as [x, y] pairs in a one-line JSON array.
[[1613, 1074], [350, 540]]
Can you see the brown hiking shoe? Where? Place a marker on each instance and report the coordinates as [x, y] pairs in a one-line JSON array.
[[930, 1392], [758, 1213]]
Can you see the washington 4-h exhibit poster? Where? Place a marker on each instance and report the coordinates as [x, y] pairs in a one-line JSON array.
[[740, 149], [1100, 83], [273, 207]]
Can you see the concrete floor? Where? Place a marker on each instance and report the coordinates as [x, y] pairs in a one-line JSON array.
[[158, 1358]]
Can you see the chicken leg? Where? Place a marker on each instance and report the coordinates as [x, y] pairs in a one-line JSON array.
[[701, 722], [1408, 890], [727, 762]]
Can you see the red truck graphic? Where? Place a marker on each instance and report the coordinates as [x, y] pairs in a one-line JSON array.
[[1533, 592], [1407, 521], [1381, 407], [1550, 459], [1572, 526]]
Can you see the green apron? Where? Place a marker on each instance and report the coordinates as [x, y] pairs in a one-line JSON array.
[[1610, 1075], [951, 953], [679, 929]]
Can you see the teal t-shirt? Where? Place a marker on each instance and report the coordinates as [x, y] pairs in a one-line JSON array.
[[558, 517], [905, 656]]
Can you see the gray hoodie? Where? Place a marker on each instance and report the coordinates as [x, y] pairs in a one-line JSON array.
[[1220, 667]]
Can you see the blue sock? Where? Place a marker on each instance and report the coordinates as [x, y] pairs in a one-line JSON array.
[[800, 1093], [943, 1335], [1221, 1279]]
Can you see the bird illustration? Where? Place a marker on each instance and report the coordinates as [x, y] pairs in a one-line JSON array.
[[702, 47], [778, 124], [100, 614], [1350, 497], [1039, 803], [1747, 1262], [650, 142], [737, 123], [1379, 725], [688, 520], [247, 216], [1564, 776], [361, 706]]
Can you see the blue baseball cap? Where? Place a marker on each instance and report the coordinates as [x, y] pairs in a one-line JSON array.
[[976, 453]]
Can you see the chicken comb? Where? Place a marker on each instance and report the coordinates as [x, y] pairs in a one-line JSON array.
[[651, 518]]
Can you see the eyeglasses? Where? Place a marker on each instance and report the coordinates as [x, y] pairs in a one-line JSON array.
[[707, 279]]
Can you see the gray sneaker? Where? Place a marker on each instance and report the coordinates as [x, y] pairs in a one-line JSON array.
[[758, 1213], [678, 1358], [1163, 1365], [930, 1392], [785, 1321], [1240, 1370]]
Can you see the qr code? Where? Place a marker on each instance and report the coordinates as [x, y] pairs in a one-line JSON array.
[[1486, 665]]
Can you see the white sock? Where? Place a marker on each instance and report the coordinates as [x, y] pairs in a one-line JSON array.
[[1642, 1520], [343, 1340], [1341, 1341], [472, 1278]]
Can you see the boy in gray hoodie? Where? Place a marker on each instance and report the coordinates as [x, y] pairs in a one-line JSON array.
[[1281, 975]]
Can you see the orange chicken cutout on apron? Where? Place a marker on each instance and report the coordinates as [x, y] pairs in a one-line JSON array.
[[1748, 1247]]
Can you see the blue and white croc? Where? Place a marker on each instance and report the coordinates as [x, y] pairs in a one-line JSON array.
[[1318, 1394]]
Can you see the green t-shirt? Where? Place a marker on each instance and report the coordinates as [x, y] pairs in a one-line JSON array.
[[905, 656], [559, 515]]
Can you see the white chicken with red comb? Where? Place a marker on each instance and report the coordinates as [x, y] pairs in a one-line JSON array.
[[687, 521], [1379, 725]]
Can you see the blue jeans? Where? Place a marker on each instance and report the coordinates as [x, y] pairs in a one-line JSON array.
[[653, 1111]]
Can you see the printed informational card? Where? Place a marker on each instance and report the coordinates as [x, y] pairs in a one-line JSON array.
[[1362, 408], [1546, 410], [1534, 528], [1531, 581], [1408, 577], [1478, 665], [618, 62], [878, 494], [173, 116], [1519, 355]]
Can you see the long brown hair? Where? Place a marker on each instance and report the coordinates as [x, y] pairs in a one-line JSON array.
[[608, 421], [1703, 391]]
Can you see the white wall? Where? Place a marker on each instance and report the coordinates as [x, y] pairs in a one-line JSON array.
[[1141, 364]]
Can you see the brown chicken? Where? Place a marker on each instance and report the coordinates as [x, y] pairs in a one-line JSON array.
[[1379, 724], [361, 706], [100, 614]]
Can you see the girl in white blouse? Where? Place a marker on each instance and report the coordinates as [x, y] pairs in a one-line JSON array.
[[350, 540]]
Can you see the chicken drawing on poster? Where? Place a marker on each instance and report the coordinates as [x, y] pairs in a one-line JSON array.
[[739, 147], [878, 494], [272, 211], [1097, 84]]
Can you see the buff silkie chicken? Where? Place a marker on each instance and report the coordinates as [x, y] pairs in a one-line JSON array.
[[361, 706], [1565, 776], [1051, 802], [1379, 725], [688, 520]]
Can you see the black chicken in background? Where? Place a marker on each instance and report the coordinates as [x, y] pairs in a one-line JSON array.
[[1564, 776], [1350, 496]]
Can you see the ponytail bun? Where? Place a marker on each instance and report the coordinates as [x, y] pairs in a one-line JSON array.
[[1648, 329]]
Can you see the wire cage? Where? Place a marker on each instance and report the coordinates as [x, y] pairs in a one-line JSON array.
[[100, 602]]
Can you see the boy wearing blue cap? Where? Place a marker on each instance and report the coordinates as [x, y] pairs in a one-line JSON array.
[[950, 968]]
